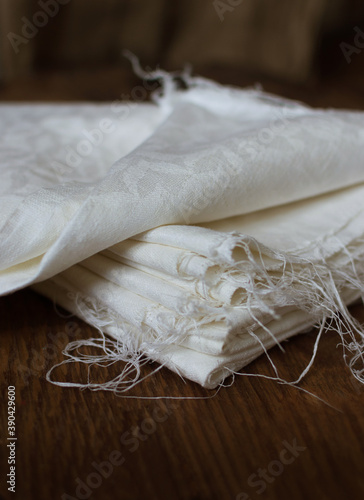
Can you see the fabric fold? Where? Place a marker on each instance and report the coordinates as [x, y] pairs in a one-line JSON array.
[[170, 320], [228, 152]]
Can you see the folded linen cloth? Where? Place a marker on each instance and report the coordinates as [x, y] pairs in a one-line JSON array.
[[199, 231]]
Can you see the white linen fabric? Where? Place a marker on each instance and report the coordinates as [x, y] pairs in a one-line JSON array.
[[198, 231]]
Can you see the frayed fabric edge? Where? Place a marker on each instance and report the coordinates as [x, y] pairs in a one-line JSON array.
[[322, 289]]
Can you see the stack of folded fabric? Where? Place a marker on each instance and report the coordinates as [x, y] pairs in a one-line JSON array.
[[199, 232]]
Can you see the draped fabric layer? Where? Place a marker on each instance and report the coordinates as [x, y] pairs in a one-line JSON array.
[[198, 231]]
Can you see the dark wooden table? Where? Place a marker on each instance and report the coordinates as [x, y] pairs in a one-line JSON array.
[[255, 439], [177, 448]]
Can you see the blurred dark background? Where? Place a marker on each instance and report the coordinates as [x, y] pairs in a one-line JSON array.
[[72, 49]]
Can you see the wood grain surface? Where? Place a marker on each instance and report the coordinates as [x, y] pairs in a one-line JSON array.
[[255, 439], [213, 448]]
